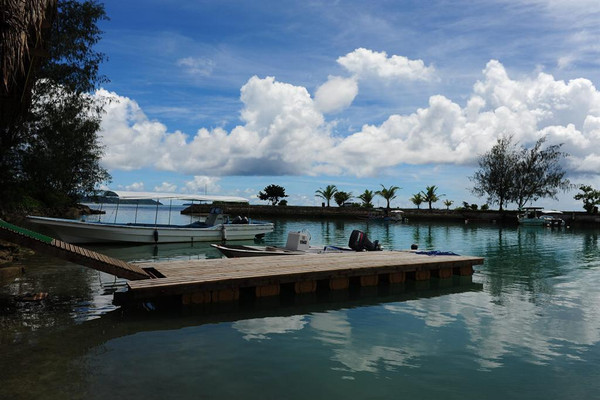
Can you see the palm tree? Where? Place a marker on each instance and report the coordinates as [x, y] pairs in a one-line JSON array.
[[430, 196], [326, 193], [448, 203], [388, 194], [367, 198], [342, 197], [417, 199]]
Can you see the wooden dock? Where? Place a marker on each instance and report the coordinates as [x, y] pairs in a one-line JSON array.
[[221, 280]]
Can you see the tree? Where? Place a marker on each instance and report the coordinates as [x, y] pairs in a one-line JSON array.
[[341, 197], [539, 173], [430, 195], [496, 172], [590, 197], [388, 194], [448, 203], [367, 198], [272, 193], [417, 200], [52, 147], [327, 193]]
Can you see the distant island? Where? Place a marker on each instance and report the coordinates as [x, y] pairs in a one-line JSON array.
[[115, 200]]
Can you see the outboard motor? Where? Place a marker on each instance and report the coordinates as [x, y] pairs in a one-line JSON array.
[[360, 242], [240, 220]]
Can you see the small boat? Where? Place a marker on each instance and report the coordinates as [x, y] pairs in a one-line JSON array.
[[217, 226], [298, 243], [537, 216]]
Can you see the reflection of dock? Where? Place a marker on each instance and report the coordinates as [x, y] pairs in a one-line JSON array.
[[223, 280]]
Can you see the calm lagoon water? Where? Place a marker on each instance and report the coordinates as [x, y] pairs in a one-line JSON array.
[[526, 326]]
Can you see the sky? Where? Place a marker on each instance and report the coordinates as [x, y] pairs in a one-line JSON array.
[[227, 97]]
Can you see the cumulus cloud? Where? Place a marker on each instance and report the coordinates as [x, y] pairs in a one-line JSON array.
[[203, 184], [284, 131], [166, 187], [365, 64], [336, 94]]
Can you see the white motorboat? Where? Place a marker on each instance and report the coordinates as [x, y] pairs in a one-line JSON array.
[[217, 226], [537, 216], [298, 243]]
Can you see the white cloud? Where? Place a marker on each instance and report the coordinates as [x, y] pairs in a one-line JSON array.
[[166, 187], [203, 184], [135, 187], [284, 131], [196, 65], [365, 64], [336, 94]]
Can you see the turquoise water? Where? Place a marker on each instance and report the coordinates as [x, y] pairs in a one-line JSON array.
[[525, 326]]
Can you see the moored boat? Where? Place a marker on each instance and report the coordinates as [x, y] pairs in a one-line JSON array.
[[298, 243], [537, 216], [217, 226]]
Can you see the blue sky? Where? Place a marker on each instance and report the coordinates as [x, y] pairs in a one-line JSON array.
[[231, 96]]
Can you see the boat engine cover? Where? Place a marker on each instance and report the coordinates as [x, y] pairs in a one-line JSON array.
[[360, 242], [297, 241]]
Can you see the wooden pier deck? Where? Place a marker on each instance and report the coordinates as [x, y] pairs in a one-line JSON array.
[[66, 251], [220, 280]]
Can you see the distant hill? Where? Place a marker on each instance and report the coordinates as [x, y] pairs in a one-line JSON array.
[[113, 200]]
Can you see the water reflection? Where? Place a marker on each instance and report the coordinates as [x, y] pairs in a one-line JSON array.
[[532, 309]]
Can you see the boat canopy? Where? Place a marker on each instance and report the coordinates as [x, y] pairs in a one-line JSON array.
[[179, 196]]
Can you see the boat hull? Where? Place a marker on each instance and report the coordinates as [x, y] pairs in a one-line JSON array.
[[233, 251], [73, 231]]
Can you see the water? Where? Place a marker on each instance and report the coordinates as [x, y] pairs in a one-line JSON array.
[[527, 325]]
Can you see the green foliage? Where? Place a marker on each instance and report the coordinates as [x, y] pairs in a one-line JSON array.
[[590, 197], [496, 171], [417, 199], [508, 173], [485, 207], [448, 203], [327, 193], [430, 195], [367, 198], [388, 194], [538, 174], [272, 193], [51, 152], [341, 197], [283, 203]]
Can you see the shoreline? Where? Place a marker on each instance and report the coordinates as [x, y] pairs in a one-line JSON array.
[[412, 214]]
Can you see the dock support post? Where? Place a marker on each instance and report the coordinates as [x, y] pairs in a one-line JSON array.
[[397, 277], [305, 287], [369, 280], [464, 271], [224, 295], [422, 275], [339, 283], [267, 290], [443, 273]]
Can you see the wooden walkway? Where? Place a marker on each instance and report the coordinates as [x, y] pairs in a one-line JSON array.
[[78, 255], [220, 280]]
